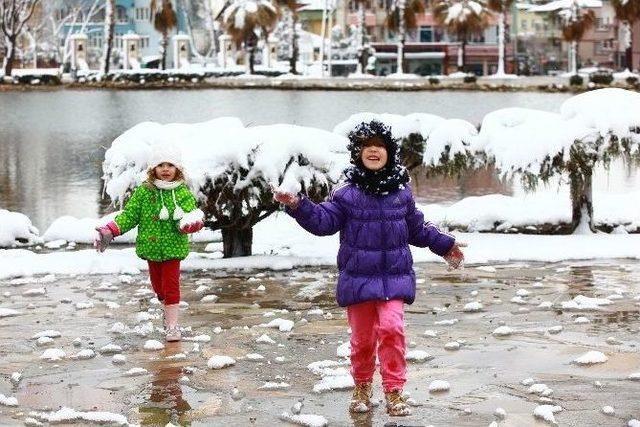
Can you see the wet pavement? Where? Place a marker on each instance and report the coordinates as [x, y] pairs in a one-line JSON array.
[[177, 386]]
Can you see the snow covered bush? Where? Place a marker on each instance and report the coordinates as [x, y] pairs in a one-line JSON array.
[[230, 168], [592, 128], [16, 230], [443, 146]]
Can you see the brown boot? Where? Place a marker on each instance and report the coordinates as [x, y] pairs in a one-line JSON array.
[[397, 404], [361, 399]]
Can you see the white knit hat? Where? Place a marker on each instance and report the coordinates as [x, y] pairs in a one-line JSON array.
[[166, 152]]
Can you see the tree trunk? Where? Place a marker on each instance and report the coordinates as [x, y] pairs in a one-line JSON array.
[[237, 242], [295, 50], [252, 59], [628, 52], [464, 49], [109, 27], [10, 54], [165, 45], [581, 202], [401, 34], [501, 47], [361, 26]]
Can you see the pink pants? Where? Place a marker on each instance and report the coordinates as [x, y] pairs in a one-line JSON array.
[[165, 279], [378, 325]]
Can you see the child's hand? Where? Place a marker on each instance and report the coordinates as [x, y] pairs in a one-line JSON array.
[[284, 197], [192, 227], [104, 238], [455, 257]]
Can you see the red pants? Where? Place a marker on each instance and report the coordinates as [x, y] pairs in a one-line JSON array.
[[165, 279], [378, 325]]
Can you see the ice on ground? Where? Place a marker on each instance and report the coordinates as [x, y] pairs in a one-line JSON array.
[[202, 289], [265, 339], [500, 413], [522, 293], [307, 420], [110, 349], [581, 320], [449, 322], [541, 390], [608, 410], [55, 244], [254, 356], [344, 350], [209, 298], [546, 413], [503, 331], [50, 333], [430, 333], [319, 367], [53, 355], [334, 382], [8, 312], [219, 362], [135, 372], [555, 329], [67, 415], [16, 377], [452, 346], [473, 307], [418, 356], [152, 345], [34, 292], [8, 401], [581, 302], [84, 354], [634, 377], [487, 269], [591, 358], [439, 386], [283, 325], [84, 305], [633, 423], [274, 386], [118, 359]]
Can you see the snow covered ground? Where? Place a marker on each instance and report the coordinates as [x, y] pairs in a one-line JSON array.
[[87, 349]]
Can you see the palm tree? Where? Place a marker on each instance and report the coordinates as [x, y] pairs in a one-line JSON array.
[[109, 26], [463, 18], [244, 19], [628, 12], [575, 22], [402, 17], [501, 7], [293, 6], [164, 20]]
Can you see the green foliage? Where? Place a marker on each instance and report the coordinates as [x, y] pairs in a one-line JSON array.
[[576, 80], [470, 78], [601, 77]]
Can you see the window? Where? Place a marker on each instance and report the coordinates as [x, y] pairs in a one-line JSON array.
[[426, 34], [524, 24], [144, 41], [121, 15]]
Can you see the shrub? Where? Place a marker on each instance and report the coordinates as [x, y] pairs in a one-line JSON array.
[[576, 80], [601, 77]]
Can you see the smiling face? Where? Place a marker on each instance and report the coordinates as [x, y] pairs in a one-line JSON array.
[[165, 171], [374, 154]]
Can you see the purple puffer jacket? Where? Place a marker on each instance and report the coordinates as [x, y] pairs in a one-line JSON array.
[[374, 260]]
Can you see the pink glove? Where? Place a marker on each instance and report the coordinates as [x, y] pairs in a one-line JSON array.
[[106, 234], [289, 199], [192, 228]]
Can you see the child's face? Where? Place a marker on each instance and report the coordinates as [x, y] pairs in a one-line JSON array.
[[374, 154], [165, 171]]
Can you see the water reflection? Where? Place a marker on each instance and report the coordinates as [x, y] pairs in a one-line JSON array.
[[166, 402]]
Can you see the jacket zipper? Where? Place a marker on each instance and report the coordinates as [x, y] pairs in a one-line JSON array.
[[384, 251]]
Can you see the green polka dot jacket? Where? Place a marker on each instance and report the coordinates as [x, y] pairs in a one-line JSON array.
[[158, 240]]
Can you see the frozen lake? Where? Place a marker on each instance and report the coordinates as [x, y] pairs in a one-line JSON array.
[[52, 143]]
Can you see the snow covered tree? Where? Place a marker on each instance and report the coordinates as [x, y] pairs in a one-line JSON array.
[[576, 20], [109, 27], [231, 169], [402, 16], [627, 12], [501, 7], [14, 15], [246, 21], [363, 49], [463, 18], [291, 20], [164, 20], [592, 128]]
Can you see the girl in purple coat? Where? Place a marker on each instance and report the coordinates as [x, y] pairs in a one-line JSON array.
[[376, 216]]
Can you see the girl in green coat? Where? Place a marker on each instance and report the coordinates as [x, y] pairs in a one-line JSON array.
[[165, 211]]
